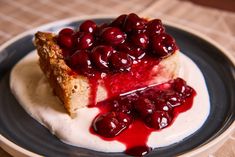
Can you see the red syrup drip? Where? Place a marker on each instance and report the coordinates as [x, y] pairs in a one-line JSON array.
[[118, 83], [139, 76], [114, 48], [135, 136]]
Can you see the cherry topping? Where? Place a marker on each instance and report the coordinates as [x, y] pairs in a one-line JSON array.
[[124, 104], [88, 26], [137, 53], [134, 52], [163, 45], [158, 120], [99, 30], [66, 31], [173, 98], [125, 47], [113, 47], [66, 41], [163, 105], [84, 40], [134, 23], [124, 119], [128, 43], [155, 106], [155, 27], [113, 35], [100, 56], [140, 40], [111, 124], [141, 112], [65, 38], [67, 53], [81, 62], [189, 91], [118, 22], [120, 61], [144, 106], [180, 85]]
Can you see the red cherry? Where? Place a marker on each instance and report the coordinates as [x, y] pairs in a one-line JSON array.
[[124, 119], [125, 108], [88, 26], [99, 30], [100, 56], [140, 40], [155, 27], [67, 53], [189, 91], [173, 98], [158, 120], [124, 47], [134, 23], [80, 62], [162, 105], [66, 41], [113, 35], [65, 38], [124, 104], [106, 125], [84, 40], [66, 31], [120, 61], [163, 45], [179, 85], [144, 106], [134, 52], [111, 124]]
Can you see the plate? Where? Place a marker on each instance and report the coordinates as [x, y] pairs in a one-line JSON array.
[[21, 134]]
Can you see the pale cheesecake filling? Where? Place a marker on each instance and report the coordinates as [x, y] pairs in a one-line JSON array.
[[33, 92]]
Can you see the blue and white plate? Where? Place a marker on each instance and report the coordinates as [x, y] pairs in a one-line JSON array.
[[22, 135]]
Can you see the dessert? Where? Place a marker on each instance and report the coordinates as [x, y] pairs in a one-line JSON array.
[[121, 80], [77, 63]]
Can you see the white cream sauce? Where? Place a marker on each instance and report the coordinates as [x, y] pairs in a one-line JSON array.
[[33, 92]]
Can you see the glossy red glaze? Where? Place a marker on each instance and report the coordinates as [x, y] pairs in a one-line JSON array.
[[128, 35], [163, 45], [84, 40], [152, 109], [100, 56], [135, 46], [113, 35], [155, 27]]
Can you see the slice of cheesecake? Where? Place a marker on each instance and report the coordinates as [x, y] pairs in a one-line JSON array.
[[88, 66]]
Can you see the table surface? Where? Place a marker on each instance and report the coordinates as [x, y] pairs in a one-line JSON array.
[[210, 18]]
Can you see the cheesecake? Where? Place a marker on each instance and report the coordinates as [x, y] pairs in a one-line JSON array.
[[91, 63]]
